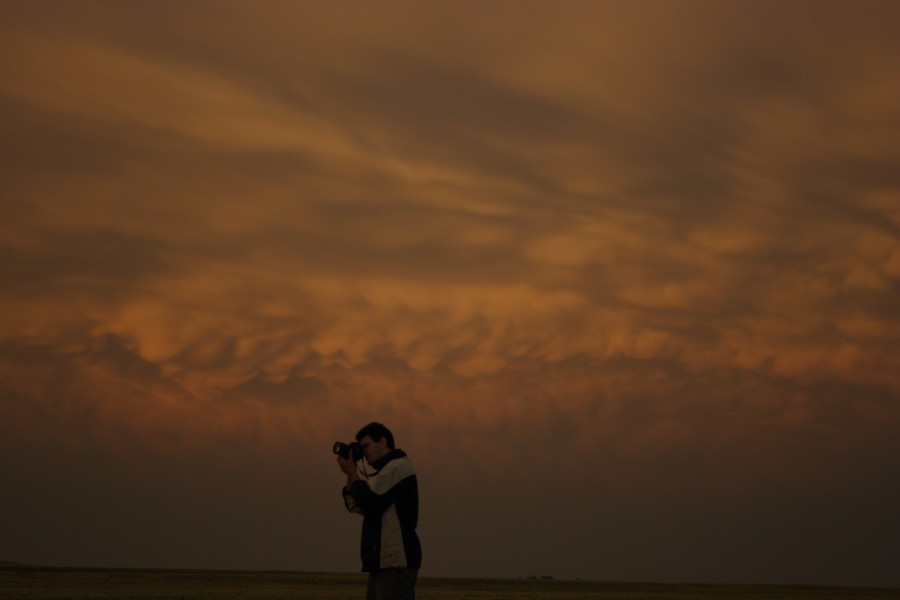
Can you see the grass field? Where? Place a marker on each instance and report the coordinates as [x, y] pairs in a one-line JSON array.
[[21, 582]]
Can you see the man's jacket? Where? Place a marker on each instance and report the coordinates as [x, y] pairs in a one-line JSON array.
[[389, 503]]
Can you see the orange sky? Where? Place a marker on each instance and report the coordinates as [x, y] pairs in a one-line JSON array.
[[622, 276]]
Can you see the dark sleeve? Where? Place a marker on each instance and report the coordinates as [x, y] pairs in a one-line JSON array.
[[349, 502], [371, 503]]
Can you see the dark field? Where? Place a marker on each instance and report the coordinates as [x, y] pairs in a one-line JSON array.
[[20, 582]]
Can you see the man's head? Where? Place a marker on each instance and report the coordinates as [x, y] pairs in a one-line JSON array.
[[376, 440]]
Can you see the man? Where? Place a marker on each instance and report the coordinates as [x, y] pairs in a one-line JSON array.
[[389, 503]]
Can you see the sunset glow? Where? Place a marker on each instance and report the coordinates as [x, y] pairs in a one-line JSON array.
[[623, 278]]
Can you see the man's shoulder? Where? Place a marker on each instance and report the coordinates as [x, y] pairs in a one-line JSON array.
[[401, 464], [396, 471]]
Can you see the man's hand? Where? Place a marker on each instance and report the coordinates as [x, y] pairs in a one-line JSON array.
[[349, 468], [347, 465]]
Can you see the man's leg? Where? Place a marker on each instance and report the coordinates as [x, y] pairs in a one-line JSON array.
[[392, 584]]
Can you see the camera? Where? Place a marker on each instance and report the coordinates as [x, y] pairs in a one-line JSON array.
[[352, 450]]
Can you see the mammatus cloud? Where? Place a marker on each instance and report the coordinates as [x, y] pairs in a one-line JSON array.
[[647, 253]]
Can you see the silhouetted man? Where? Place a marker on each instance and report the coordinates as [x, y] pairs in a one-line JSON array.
[[389, 502]]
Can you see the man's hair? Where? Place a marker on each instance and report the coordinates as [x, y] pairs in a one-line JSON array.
[[376, 431]]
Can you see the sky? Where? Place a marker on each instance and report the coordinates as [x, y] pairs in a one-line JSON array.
[[622, 278]]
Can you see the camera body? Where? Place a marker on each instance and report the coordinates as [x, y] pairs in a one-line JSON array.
[[352, 450]]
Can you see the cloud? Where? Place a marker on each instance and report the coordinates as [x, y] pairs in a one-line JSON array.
[[658, 244]]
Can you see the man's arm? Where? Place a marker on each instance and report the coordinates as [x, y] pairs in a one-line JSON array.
[[349, 469], [395, 482]]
